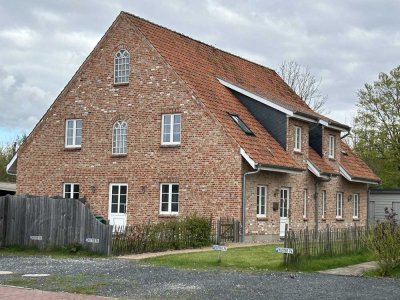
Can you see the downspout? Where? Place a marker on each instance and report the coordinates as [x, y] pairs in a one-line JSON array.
[[244, 201]]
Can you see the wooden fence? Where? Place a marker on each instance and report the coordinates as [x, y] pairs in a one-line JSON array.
[[46, 223], [328, 242]]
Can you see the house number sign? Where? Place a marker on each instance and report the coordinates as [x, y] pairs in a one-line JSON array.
[[92, 240]]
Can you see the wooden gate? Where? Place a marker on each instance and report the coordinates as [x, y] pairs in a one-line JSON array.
[[46, 222], [227, 230]]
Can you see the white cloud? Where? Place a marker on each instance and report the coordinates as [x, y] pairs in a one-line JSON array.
[[21, 37]]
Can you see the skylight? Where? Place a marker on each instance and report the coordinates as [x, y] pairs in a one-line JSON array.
[[241, 124]]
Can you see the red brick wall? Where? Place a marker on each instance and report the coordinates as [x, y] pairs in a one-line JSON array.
[[207, 164]]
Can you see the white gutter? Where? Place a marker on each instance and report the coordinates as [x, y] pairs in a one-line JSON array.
[[346, 175], [11, 165]]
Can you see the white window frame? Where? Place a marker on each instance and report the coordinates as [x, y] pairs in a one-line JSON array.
[[169, 212], [262, 201], [171, 129], [119, 185], [297, 138], [331, 146], [305, 204], [72, 190], [117, 62], [339, 205], [120, 138], [356, 206], [323, 204], [74, 135]]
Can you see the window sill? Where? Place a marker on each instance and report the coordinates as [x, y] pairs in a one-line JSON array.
[[297, 152], [339, 219], [262, 218], [332, 158], [305, 219], [356, 219], [72, 148], [121, 84], [323, 219], [168, 215], [119, 155], [170, 145]]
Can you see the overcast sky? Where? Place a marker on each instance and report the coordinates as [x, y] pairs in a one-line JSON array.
[[346, 43]]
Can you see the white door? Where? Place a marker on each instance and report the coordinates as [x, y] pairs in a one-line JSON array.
[[284, 211], [117, 204]]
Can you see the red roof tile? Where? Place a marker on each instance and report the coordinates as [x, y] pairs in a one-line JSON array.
[[356, 167], [320, 163]]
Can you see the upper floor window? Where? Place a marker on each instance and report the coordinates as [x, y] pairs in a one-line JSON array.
[[120, 145], [241, 124], [169, 198], [305, 204], [261, 201], [171, 129], [356, 206], [121, 66], [323, 204], [331, 146], [71, 191], [73, 133], [297, 138], [339, 205]]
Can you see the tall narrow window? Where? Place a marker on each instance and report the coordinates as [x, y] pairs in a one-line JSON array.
[[169, 198], [121, 66], [119, 140], [331, 146], [323, 204], [73, 133], [339, 205], [71, 191], [356, 206], [261, 201], [297, 138], [171, 129], [305, 204]]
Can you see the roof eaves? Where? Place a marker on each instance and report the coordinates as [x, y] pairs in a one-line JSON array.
[[348, 176]]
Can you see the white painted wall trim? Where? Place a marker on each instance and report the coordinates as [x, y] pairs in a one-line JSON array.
[[255, 97], [296, 116], [247, 158], [11, 164], [346, 175], [280, 170]]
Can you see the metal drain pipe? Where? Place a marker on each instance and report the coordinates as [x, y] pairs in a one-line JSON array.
[[244, 202]]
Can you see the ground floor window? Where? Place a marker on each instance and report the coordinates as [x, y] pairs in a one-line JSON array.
[[261, 201], [118, 194], [323, 204], [356, 206], [339, 205], [71, 190], [169, 198]]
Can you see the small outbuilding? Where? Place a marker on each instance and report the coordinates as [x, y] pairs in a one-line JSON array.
[[381, 198], [7, 188]]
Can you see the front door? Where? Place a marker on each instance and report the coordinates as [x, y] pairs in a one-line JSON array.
[[117, 204], [284, 211]]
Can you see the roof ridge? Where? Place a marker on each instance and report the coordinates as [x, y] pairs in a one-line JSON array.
[[198, 41]]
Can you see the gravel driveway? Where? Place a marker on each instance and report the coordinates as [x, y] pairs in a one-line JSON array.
[[136, 280]]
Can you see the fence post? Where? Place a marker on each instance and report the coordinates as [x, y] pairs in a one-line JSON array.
[[328, 244], [285, 243], [5, 220]]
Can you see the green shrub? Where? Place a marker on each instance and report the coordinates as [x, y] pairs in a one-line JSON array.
[[384, 241]]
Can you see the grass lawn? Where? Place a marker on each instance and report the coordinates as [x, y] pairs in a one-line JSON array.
[[55, 252], [254, 258], [375, 273]]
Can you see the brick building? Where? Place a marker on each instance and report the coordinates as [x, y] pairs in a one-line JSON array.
[[156, 125]]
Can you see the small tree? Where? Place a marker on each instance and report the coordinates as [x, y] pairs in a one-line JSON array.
[[304, 84]]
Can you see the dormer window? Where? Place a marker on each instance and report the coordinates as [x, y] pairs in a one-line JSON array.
[[331, 146], [121, 67], [241, 124], [297, 138]]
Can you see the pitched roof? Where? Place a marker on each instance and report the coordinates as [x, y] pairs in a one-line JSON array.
[[199, 65], [322, 165], [355, 166]]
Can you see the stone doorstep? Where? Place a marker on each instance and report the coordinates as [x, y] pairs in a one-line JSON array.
[[170, 252], [354, 270]]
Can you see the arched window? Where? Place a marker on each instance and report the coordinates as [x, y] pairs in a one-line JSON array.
[[121, 66], [120, 131]]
